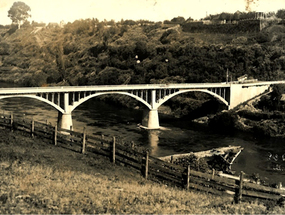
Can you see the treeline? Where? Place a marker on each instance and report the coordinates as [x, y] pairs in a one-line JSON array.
[[237, 16]]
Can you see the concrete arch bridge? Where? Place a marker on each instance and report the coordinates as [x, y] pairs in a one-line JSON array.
[[66, 99]]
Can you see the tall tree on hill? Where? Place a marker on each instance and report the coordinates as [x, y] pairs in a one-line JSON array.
[[19, 12], [281, 13], [178, 20], [60, 60]]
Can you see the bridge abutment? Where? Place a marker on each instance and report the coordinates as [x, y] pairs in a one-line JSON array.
[[150, 119], [64, 121], [240, 93]]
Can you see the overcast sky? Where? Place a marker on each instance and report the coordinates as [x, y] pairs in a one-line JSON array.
[[154, 10]]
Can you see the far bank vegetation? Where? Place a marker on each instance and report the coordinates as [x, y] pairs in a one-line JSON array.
[[93, 52]]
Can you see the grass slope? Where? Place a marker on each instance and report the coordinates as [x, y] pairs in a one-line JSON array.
[[37, 177]]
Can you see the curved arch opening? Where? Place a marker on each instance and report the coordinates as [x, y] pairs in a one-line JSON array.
[[192, 104], [29, 107], [81, 101], [107, 113], [35, 97], [192, 90]]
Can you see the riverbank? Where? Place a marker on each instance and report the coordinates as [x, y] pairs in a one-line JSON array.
[[247, 118], [37, 177]]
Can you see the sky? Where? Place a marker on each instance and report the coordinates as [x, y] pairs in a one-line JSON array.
[[154, 10]]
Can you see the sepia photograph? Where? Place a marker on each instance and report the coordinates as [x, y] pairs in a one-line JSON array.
[[142, 107]]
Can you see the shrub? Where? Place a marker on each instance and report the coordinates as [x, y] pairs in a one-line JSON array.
[[262, 37], [198, 164], [4, 48], [224, 122]]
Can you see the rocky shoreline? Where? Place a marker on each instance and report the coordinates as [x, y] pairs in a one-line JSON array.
[[247, 118], [219, 159]]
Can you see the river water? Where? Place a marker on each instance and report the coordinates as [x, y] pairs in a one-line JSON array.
[[177, 136]]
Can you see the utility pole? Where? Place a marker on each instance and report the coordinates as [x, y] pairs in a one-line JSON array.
[[227, 78]]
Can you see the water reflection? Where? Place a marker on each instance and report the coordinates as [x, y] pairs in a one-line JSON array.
[[153, 139]]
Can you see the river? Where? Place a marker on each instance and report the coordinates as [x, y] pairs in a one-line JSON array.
[[177, 136]]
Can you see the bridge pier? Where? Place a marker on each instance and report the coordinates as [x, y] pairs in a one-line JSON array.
[[150, 119], [64, 121]]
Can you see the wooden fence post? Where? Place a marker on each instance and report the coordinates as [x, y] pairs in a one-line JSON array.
[[114, 150], [84, 141], [188, 178], [46, 128], [132, 145], [32, 127], [239, 196], [55, 135], [146, 164], [11, 121], [213, 174], [171, 159]]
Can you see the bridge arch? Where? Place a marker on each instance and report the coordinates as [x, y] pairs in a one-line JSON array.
[[35, 97], [81, 101], [166, 98]]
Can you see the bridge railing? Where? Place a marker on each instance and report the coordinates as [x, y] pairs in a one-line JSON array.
[[129, 154]]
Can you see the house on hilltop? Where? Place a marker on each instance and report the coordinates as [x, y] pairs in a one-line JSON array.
[[56, 25], [52, 25]]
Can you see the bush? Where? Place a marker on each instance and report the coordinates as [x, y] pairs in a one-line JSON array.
[[69, 47], [111, 76], [272, 102], [262, 37], [224, 122], [4, 48], [165, 38], [37, 79], [198, 164]]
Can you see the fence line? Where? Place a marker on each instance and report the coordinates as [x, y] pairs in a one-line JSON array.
[[151, 167]]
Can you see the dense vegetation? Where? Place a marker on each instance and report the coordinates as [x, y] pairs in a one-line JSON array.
[[89, 52], [263, 117], [93, 52]]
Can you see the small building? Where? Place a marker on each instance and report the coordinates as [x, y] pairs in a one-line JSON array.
[[62, 24], [260, 15], [242, 78], [53, 25]]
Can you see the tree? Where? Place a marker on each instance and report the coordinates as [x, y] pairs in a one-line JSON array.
[[19, 12], [281, 14], [236, 15], [178, 20]]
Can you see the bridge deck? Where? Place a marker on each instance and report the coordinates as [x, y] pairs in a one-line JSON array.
[[59, 89]]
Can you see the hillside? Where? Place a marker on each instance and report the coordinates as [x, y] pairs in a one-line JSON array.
[[39, 178], [89, 52], [86, 52]]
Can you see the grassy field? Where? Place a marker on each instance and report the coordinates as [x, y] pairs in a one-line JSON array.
[[37, 177]]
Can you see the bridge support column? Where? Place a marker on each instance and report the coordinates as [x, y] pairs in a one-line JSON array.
[[64, 121], [150, 119]]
